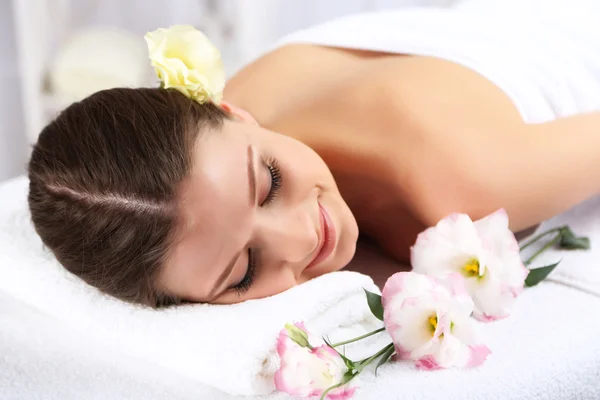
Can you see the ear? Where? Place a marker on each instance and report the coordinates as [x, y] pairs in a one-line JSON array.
[[240, 113]]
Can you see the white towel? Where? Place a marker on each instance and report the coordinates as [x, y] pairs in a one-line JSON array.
[[43, 359], [229, 347], [542, 53], [547, 349], [578, 269]]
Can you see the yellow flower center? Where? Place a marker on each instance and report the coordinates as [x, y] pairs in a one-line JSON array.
[[472, 269], [433, 321]]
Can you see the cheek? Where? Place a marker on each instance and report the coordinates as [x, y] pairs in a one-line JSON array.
[[271, 282], [303, 163]]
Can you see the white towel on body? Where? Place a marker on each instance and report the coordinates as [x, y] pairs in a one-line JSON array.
[[542, 53], [230, 347]]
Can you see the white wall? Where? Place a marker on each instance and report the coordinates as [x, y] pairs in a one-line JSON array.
[[242, 29], [12, 142]]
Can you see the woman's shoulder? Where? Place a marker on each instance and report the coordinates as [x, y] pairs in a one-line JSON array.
[[295, 68]]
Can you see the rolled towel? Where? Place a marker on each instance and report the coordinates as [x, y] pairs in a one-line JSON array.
[[229, 347]]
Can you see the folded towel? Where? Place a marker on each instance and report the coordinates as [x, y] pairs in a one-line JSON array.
[[229, 347], [42, 358]]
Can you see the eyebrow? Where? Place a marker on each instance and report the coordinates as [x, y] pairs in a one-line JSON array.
[[252, 183], [251, 175]]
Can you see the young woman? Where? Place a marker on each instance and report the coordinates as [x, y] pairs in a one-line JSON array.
[[382, 122]]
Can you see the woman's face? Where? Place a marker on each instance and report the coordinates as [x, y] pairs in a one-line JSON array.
[[260, 213]]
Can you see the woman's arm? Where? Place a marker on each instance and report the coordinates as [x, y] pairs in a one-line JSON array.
[[533, 171], [560, 167]]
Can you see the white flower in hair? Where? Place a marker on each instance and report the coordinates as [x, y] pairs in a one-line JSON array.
[[186, 60]]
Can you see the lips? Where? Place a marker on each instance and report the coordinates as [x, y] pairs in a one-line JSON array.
[[326, 239]]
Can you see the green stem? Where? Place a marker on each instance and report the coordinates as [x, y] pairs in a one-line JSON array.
[[541, 235], [543, 249], [358, 338], [362, 364], [329, 389]]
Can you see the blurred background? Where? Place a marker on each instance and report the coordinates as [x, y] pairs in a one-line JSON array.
[[54, 52]]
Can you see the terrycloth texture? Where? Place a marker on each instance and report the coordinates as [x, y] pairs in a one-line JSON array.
[[41, 358], [229, 347], [542, 53], [547, 350], [580, 269]]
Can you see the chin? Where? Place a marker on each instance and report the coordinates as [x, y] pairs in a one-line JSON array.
[[346, 250]]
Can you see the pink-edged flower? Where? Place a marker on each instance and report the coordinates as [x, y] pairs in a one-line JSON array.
[[307, 371], [430, 323], [484, 252]]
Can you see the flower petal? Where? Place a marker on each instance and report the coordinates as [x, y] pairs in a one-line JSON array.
[[308, 372], [479, 354], [453, 352], [447, 247], [409, 326], [342, 393], [402, 285], [185, 59], [428, 363]]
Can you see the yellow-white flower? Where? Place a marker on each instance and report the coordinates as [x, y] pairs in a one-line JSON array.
[[186, 60]]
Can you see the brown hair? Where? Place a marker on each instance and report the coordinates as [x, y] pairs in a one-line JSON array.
[[103, 185]]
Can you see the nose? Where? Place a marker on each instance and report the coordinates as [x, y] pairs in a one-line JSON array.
[[289, 237]]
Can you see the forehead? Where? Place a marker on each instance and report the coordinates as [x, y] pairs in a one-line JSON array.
[[220, 164], [215, 210]]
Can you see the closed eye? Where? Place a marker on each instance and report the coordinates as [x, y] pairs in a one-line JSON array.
[[276, 181], [244, 285]]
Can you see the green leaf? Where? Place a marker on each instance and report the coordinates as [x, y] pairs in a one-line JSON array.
[[569, 241], [374, 301], [384, 358], [539, 274], [349, 363]]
